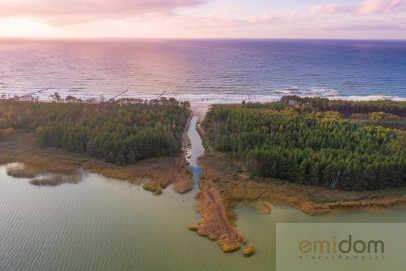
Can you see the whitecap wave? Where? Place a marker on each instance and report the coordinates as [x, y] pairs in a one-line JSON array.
[[212, 98], [324, 92]]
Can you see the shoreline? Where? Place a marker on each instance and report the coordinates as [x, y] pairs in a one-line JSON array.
[[198, 98], [200, 109]]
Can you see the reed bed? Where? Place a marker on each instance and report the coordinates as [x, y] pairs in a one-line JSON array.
[[214, 224], [249, 250], [18, 170], [236, 188], [56, 180], [161, 171]]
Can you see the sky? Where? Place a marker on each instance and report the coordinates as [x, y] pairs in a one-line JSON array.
[[300, 19]]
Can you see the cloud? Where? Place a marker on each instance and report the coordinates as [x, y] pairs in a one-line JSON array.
[[207, 18], [367, 27], [367, 7], [373, 7], [328, 9], [77, 11]]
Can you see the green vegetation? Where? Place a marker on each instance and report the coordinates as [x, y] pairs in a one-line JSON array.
[[238, 188], [315, 141], [121, 132], [347, 107]]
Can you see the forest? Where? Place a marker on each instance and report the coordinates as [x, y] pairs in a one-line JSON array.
[[120, 131], [336, 144], [347, 107]]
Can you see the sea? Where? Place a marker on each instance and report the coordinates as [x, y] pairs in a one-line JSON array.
[[208, 71]]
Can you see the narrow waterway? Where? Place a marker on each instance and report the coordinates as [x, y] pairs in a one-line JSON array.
[[195, 152]]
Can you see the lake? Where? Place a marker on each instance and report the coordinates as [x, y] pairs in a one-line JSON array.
[[107, 224]]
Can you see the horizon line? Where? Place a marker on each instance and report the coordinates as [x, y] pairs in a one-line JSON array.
[[188, 38]]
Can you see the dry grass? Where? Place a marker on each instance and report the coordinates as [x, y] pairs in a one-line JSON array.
[[236, 188], [159, 171], [20, 171], [49, 164], [23, 148], [219, 197], [215, 224], [152, 186], [259, 206], [249, 250], [193, 227], [6, 159], [185, 182], [56, 180]]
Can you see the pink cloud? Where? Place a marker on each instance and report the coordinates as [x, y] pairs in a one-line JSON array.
[[367, 27], [328, 9], [373, 7], [367, 7], [76, 11]]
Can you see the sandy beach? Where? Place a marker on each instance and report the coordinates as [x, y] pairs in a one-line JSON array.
[[200, 109]]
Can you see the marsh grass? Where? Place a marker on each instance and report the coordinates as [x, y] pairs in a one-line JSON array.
[[259, 206], [312, 200], [47, 164], [161, 171], [23, 148], [223, 187], [6, 159], [184, 183], [249, 250], [215, 224], [152, 186], [56, 180], [18, 170]]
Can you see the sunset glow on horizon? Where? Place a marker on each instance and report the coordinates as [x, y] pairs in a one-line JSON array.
[[329, 19]]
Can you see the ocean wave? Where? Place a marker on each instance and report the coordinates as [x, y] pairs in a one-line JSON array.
[[286, 92], [327, 92], [211, 98], [370, 98]]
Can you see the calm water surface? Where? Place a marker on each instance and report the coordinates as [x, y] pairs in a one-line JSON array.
[[106, 224]]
